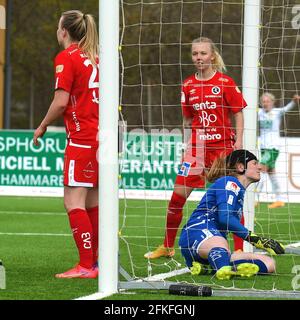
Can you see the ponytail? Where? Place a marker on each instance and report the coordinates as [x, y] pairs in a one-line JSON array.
[[89, 43], [223, 166], [218, 62], [227, 165], [218, 169], [82, 28]]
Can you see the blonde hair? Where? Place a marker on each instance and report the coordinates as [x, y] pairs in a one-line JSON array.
[[218, 63], [220, 169], [269, 95], [82, 28]]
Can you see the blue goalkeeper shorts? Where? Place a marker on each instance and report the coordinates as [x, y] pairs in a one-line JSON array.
[[191, 239]]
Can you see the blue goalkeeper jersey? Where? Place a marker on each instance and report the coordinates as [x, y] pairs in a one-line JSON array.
[[221, 208]]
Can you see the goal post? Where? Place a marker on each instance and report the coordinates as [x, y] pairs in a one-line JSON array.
[[250, 85], [154, 59], [108, 146]]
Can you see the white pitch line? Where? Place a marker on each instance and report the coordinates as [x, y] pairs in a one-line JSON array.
[[34, 234], [96, 296], [34, 213], [62, 235], [293, 245], [157, 277], [163, 276], [161, 217], [276, 220]]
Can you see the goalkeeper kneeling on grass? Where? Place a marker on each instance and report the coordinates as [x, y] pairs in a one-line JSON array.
[[203, 240]]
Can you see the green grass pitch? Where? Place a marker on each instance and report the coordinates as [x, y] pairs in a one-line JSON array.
[[36, 243]]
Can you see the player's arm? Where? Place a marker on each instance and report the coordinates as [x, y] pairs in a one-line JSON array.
[[56, 110], [229, 222], [235, 101], [187, 115], [239, 128], [291, 104], [187, 129], [296, 98], [227, 204]]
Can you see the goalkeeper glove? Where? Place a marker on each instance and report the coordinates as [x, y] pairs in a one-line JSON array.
[[272, 246]]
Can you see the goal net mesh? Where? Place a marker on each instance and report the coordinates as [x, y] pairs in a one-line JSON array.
[[155, 58]]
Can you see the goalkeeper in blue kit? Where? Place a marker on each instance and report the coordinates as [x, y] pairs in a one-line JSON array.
[[203, 240]]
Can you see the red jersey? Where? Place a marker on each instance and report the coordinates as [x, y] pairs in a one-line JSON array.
[[210, 104], [76, 74]]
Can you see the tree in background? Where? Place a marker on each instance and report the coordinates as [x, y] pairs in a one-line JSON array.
[[155, 49]]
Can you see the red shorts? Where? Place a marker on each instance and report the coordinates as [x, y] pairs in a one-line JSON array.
[[191, 173], [81, 165]]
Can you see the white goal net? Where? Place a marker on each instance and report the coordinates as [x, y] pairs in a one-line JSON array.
[[155, 58]]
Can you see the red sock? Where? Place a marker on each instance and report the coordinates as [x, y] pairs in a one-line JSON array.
[[82, 233], [93, 214], [174, 218], [239, 242]]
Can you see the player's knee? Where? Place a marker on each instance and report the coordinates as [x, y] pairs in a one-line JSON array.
[[69, 206], [270, 264], [73, 202], [66, 205]]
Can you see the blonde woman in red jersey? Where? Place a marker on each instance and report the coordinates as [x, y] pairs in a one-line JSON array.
[[76, 99], [209, 98]]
